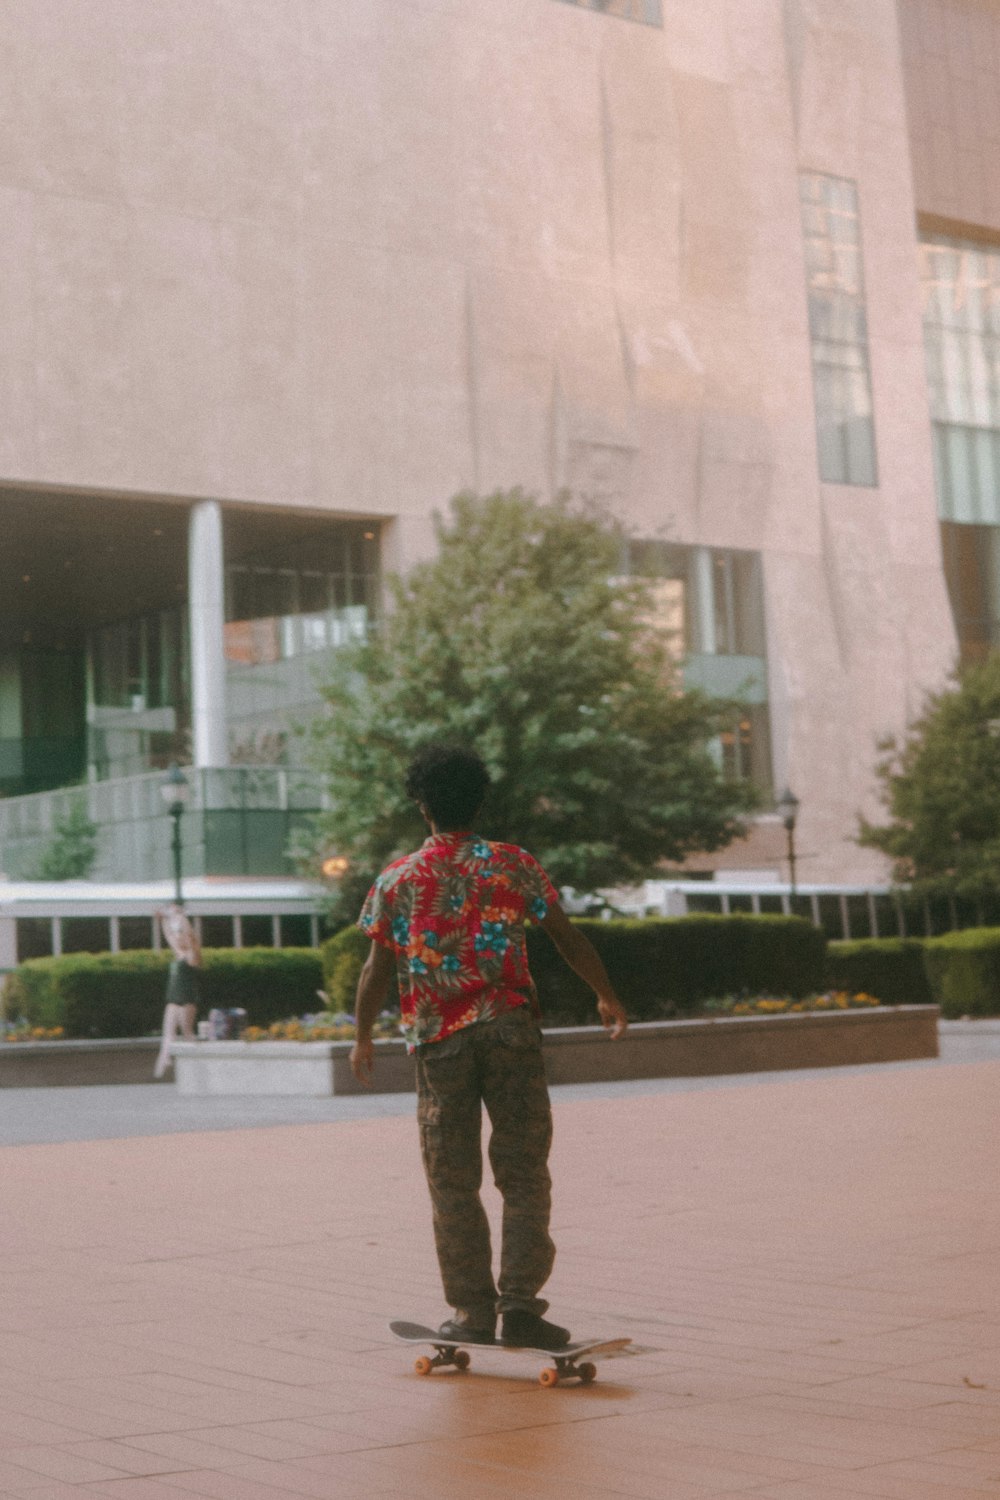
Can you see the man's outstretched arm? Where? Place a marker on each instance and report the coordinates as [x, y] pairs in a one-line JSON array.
[[373, 991], [582, 957]]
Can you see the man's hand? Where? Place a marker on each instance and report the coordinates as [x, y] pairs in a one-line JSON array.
[[373, 987], [583, 958], [363, 1061], [612, 1013]]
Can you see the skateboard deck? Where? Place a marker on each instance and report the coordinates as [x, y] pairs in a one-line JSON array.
[[566, 1363]]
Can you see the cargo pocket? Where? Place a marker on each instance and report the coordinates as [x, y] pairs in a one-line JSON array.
[[518, 1029]]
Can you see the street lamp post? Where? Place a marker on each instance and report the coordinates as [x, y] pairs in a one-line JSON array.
[[788, 807], [176, 792]]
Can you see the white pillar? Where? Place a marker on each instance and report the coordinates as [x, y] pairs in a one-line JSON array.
[[704, 600], [206, 595]]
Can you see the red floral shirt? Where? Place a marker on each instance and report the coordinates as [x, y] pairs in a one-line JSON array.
[[453, 912]]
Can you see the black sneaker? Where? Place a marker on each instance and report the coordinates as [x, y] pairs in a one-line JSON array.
[[464, 1333], [528, 1331]]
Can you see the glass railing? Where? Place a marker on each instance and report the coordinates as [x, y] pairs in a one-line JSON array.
[[239, 821]]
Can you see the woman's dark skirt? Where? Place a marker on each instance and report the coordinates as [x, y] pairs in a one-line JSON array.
[[182, 984]]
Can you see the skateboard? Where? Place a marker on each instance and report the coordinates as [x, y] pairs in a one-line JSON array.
[[565, 1362]]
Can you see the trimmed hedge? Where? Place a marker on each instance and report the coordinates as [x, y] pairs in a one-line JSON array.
[[891, 969], [963, 971], [663, 967], [659, 967], [342, 957], [122, 994]]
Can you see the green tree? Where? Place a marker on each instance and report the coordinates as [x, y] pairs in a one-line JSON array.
[[71, 854], [940, 785], [522, 639]]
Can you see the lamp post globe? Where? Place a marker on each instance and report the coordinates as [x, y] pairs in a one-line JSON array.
[[788, 809], [175, 789]]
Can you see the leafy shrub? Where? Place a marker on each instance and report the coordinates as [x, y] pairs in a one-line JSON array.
[[71, 854], [342, 957], [891, 968], [122, 994], [963, 972], [663, 967]]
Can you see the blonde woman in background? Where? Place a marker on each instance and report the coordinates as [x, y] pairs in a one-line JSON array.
[[182, 983]]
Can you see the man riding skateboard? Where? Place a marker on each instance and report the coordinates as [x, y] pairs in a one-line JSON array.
[[448, 921]]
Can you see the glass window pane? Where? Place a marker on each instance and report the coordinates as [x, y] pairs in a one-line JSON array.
[[258, 932], [859, 916], [860, 437], [135, 932], [86, 935], [296, 931], [34, 938], [830, 917], [839, 330], [886, 917], [829, 427], [740, 903], [217, 932], [314, 593], [748, 597], [698, 902]]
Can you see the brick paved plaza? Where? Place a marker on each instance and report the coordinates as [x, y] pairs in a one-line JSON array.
[[810, 1269]]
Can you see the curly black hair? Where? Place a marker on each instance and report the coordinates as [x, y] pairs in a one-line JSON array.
[[450, 782]]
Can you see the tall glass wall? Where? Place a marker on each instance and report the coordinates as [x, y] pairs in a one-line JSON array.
[[138, 714], [961, 290], [286, 605], [284, 610]]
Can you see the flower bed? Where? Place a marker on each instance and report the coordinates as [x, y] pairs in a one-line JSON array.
[[20, 1031], [775, 1005], [322, 1028]]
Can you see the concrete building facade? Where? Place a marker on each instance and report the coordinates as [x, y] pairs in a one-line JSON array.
[[277, 280]]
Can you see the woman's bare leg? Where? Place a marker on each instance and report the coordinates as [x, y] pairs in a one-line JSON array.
[[172, 1015]]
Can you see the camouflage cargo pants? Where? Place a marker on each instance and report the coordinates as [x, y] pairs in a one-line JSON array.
[[497, 1064]]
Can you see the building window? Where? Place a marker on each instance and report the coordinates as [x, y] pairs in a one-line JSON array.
[[321, 593], [648, 11], [710, 602], [961, 287], [838, 329], [972, 571]]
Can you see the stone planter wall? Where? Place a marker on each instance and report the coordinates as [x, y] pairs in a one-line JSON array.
[[652, 1049], [42, 1065]]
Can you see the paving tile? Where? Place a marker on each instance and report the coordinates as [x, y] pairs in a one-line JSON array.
[[122, 1457], [48, 1491], [63, 1462], [173, 1452], [14, 1478]]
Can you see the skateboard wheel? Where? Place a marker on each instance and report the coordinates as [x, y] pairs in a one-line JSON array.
[[423, 1365], [549, 1378], [587, 1372], [462, 1359]]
